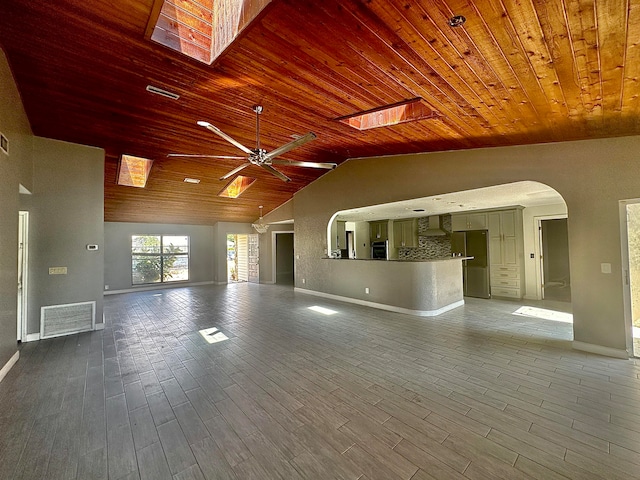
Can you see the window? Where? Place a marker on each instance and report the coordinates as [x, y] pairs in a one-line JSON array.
[[201, 29], [402, 112], [159, 258]]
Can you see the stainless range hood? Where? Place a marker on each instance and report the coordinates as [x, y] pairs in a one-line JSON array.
[[435, 229]]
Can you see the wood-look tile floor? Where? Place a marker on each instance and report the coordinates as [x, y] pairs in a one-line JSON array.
[[296, 394]]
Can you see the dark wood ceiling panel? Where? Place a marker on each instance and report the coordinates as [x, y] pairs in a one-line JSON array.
[[515, 73]]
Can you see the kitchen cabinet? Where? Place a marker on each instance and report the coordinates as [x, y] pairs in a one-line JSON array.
[[379, 230], [468, 221], [506, 252], [404, 233]]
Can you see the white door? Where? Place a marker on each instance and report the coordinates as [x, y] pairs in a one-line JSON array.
[[23, 230], [243, 258]]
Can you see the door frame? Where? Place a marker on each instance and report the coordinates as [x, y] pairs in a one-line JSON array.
[[274, 253], [626, 280], [537, 221], [23, 271]]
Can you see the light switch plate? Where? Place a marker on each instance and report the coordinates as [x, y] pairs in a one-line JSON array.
[[605, 267], [57, 270]]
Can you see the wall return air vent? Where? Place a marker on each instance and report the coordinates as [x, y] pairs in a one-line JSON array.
[[56, 320]]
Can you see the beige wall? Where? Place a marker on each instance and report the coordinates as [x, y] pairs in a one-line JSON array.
[[117, 253], [591, 176], [15, 169], [66, 215]]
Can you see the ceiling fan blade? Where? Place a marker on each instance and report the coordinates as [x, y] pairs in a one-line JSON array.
[[291, 145], [220, 133], [294, 163], [275, 172], [195, 155], [234, 171]]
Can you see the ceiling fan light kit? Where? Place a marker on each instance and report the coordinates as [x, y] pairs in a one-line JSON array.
[[259, 156]]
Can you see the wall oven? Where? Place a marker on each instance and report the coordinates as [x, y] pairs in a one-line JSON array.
[[380, 250]]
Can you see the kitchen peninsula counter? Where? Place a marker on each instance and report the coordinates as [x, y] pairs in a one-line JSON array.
[[425, 288]]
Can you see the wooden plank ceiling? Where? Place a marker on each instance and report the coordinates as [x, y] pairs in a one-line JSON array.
[[517, 72]]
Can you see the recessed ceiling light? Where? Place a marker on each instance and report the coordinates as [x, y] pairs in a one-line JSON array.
[[457, 21], [418, 209], [191, 180]]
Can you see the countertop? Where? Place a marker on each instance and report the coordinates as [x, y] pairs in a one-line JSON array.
[[440, 259]]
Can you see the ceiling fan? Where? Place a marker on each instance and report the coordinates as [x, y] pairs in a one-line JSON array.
[[258, 156]]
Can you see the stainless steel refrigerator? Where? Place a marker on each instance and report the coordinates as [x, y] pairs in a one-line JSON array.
[[475, 272]]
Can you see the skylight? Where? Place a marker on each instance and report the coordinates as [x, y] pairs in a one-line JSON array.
[[402, 112], [236, 187], [133, 171], [201, 29]]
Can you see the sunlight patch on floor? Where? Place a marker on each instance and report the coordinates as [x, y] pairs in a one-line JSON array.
[[536, 312], [213, 335], [325, 311]]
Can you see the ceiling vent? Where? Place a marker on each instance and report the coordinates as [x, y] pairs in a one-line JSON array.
[[163, 93]]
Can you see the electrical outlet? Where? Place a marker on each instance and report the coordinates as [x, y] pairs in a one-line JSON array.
[[106, 287], [304, 280], [366, 290]]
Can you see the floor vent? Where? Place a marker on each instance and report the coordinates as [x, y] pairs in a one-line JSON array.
[[56, 320]]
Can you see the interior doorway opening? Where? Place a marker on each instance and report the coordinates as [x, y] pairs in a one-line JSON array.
[[284, 258], [630, 225], [554, 259]]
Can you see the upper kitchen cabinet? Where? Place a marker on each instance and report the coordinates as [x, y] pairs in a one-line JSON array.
[[504, 238], [404, 233], [468, 221], [379, 230]]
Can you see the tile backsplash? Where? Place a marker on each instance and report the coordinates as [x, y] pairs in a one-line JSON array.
[[429, 247]]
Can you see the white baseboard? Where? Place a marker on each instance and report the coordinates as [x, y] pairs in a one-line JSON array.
[[600, 350], [382, 306], [33, 337], [162, 286], [7, 366]]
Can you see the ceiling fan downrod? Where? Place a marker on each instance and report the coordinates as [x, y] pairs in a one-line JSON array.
[[258, 110]]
